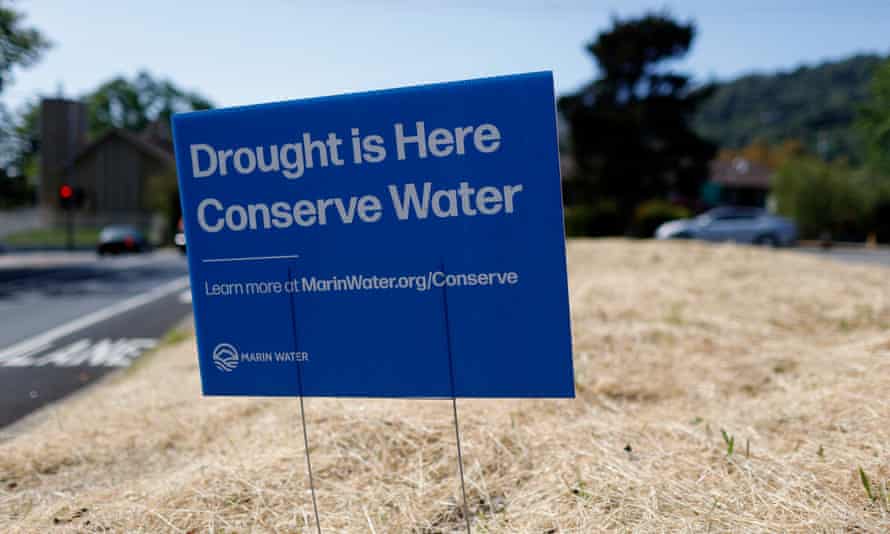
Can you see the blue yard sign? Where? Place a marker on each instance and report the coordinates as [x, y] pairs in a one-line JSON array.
[[399, 243]]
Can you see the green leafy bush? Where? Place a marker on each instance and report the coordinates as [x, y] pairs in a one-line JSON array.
[[651, 214], [593, 220], [880, 214], [825, 198]]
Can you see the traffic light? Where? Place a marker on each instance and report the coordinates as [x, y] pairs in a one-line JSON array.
[[70, 197], [66, 196]]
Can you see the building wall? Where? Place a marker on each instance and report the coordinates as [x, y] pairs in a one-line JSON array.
[[114, 176], [63, 133]]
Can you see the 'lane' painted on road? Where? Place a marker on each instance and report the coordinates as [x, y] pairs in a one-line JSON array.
[[40, 343], [86, 353]]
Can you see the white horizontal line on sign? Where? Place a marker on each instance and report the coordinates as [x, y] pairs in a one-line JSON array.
[[251, 258]]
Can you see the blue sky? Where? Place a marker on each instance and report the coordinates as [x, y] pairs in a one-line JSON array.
[[238, 52]]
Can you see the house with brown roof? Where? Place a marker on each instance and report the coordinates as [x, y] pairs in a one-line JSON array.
[[114, 171], [738, 182]]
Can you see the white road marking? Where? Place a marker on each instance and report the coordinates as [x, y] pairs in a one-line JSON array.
[[83, 352], [251, 258], [34, 344]]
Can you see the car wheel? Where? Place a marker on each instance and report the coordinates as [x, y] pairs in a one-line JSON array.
[[767, 240]]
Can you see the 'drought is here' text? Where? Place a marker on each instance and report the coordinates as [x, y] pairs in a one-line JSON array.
[[292, 159]]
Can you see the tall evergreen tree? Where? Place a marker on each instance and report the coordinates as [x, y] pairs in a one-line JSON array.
[[631, 126]]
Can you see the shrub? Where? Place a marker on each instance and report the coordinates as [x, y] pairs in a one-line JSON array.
[[651, 214], [599, 219], [880, 215], [824, 198]]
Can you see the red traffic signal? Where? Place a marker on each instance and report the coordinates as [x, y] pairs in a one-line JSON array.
[[70, 197], [66, 192]]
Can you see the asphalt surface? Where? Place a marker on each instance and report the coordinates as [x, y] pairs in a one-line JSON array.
[[879, 256], [67, 319]]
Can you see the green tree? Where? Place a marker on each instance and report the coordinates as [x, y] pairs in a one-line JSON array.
[[14, 187], [162, 197], [20, 46], [814, 104], [874, 126], [630, 127], [20, 140], [825, 198], [118, 103], [761, 152], [132, 104], [874, 120]]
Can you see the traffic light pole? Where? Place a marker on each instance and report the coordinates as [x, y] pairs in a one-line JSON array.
[[70, 198], [69, 230]]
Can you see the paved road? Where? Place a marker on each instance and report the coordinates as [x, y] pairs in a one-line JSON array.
[[68, 319], [879, 256]]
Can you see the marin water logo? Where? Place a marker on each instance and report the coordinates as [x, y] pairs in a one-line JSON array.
[[225, 357]]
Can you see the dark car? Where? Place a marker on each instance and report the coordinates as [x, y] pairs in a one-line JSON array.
[[120, 239]]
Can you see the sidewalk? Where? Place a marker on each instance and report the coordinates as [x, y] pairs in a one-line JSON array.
[[44, 259], [19, 220]]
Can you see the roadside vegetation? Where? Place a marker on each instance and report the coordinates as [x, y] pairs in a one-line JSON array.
[[720, 388], [56, 236], [641, 136], [814, 104]]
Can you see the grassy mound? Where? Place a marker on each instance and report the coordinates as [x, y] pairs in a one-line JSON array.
[[720, 388]]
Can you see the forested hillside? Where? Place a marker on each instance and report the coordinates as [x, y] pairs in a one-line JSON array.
[[816, 105]]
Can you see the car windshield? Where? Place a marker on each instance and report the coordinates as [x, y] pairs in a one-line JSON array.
[[727, 213], [117, 232]]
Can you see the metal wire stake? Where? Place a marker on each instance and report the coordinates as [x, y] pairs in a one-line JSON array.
[[309, 463], [293, 320], [460, 465], [460, 459]]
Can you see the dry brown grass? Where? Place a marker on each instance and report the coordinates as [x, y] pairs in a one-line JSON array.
[[674, 342]]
